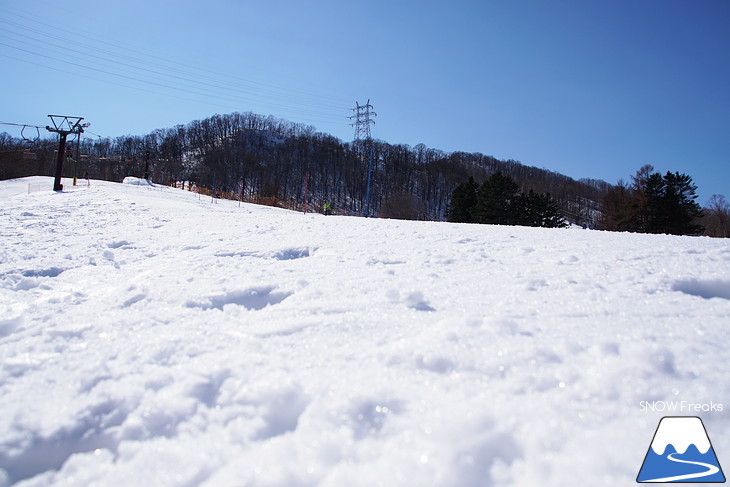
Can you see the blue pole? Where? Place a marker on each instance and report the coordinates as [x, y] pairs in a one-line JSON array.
[[367, 193], [212, 194]]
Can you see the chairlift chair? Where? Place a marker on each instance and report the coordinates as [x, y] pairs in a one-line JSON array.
[[27, 152], [26, 138]]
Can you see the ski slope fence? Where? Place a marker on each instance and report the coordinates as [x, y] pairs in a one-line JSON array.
[[35, 187]]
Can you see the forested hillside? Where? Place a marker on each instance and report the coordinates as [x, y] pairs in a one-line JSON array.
[[268, 159]]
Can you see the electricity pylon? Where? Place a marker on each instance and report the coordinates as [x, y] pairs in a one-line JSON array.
[[363, 120]]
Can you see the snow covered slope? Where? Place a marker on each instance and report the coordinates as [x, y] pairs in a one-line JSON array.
[[152, 337]]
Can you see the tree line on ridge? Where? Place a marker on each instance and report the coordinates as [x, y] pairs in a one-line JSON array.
[[263, 158]]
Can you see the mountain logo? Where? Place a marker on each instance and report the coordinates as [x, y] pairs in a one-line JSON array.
[[681, 452]]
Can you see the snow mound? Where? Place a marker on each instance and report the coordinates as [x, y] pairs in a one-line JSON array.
[[137, 181]]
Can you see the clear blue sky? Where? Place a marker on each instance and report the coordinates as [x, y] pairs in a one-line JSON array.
[[582, 87]]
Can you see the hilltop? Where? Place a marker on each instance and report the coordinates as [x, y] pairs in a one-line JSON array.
[[263, 158]]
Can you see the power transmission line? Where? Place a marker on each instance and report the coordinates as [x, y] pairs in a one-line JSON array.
[[141, 73], [114, 63], [191, 74], [230, 97], [41, 41]]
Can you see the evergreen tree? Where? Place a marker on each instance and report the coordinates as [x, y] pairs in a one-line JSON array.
[[524, 209], [656, 211], [463, 202], [549, 215], [496, 200], [537, 210], [680, 205], [654, 204]]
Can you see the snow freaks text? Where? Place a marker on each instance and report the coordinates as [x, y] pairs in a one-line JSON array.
[[680, 407]]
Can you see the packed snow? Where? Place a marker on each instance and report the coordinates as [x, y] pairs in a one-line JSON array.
[[153, 336]]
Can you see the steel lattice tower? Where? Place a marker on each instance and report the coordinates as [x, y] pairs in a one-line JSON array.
[[362, 120]]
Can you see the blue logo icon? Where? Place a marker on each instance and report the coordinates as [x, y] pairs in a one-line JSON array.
[[681, 452]]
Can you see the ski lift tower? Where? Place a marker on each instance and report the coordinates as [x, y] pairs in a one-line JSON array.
[[64, 125]]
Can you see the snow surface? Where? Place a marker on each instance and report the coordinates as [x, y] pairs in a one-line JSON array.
[[149, 336]]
